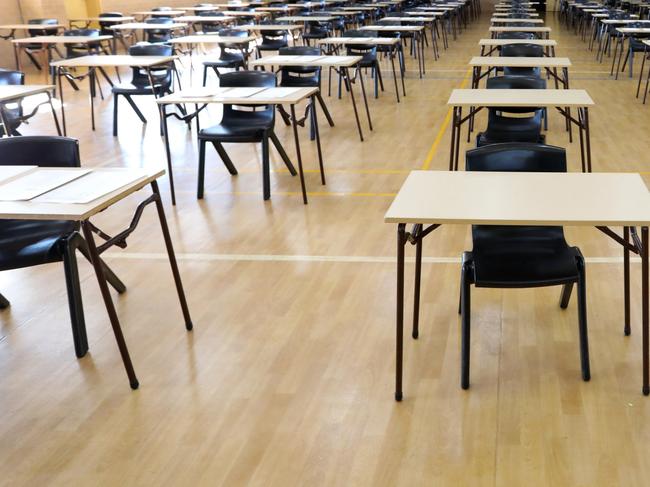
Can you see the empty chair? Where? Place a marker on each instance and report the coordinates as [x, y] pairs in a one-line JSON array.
[[31, 49], [303, 77], [232, 54], [369, 55], [272, 40], [521, 256], [209, 27], [240, 124], [502, 128], [12, 112], [315, 29], [522, 50], [140, 83], [105, 28], [635, 44], [159, 35], [78, 50], [27, 243], [516, 35]]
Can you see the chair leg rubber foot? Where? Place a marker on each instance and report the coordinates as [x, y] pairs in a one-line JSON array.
[[189, 326], [415, 335], [646, 390], [398, 396], [586, 377], [627, 331], [135, 384]]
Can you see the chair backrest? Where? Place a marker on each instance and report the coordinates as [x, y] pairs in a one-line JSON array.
[[105, 27], [42, 31], [39, 150], [161, 74], [515, 83], [516, 35], [247, 79], [111, 14], [522, 50], [82, 32], [159, 20], [366, 50], [288, 71], [516, 157], [8, 77]]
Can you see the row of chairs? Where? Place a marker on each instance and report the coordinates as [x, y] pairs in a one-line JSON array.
[[519, 256]]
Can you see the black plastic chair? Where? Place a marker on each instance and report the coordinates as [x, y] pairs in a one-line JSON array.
[[13, 112], [635, 44], [140, 83], [157, 36], [315, 30], [516, 35], [521, 256], [513, 129], [272, 40], [303, 77], [31, 49], [522, 50], [208, 27], [27, 243], [369, 54], [78, 50], [231, 56], [105, 28], [239, 126]]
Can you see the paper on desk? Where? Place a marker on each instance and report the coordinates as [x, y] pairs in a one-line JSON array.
[[36, 183], [306, 59], [9, 173], [243, 92], [277, 93], [203, 92], [92, 186]]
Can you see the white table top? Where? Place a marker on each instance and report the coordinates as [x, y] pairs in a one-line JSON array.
[[30, 26], [145, 26], [634, 30], [203, 18], [499, 20], [503, 42], [211, 39], [61, 39], [394, 28], [521, 62], [161, 13], [267, 96], [301, 18], [384, 41], [13, 92], [285, 60], [520, 98], [115, 60], [103, 19], [516, 198], [36, 209], [505, 14], [519, 29], [263, 27]]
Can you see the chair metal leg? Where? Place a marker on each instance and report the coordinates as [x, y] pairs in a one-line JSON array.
[[135, 108], [266, 170], [565, 296], [582, 319], [115, 282], [416, 297], [4, 302], [225, 158], [465, 301], [75, 302], [283, 153], [115, 99], [201, 179], [330, 121]]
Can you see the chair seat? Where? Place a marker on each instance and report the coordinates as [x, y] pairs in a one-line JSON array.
[[272, 44], [240, 127], [510, 129], [510, 256], [507, 71], [25, 243], [300, 82]]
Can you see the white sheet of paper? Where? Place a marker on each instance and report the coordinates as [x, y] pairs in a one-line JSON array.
[[9, 173], [277, 92], [243, 92], [203, 92], [36, 183], [92, 186]]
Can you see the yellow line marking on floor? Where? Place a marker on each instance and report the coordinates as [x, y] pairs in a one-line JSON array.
[[443, 127]]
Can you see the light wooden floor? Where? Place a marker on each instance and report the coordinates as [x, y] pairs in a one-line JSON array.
[[287, 378]]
